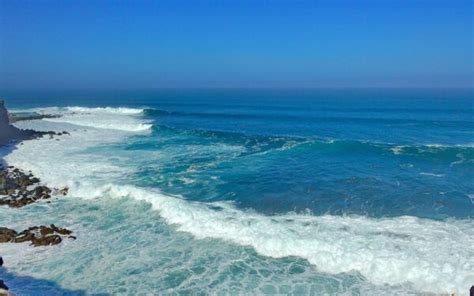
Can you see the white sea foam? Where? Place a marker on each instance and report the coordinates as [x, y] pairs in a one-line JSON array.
[[471, 198], [434, 256], [432, 174], [466, 145], [61, 163], [118, 110], [103, 122], [124, 119], [397, 149]]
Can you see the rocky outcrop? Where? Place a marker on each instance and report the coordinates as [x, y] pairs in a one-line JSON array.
[[15, 117], [20, 189], [9, 133], [36, 235]]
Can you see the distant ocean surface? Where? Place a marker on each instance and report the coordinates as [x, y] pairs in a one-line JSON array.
[[304, 192]]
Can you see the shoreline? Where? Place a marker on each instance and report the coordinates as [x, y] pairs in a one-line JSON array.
[[19, 188]]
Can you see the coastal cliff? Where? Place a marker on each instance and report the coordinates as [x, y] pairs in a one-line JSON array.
[[7, 131], [10, 134]]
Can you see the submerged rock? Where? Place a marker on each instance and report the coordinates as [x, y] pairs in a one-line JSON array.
[[37, 235]]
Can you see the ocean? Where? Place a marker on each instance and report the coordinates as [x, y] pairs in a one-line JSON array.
[[271, 191]]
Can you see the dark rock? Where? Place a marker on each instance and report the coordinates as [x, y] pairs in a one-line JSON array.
[[64, 191], [3, 286], [21, 202], [7, 235], [45, 230], [24, 237], [471, 291], [42, 192], [62, 231], [18, 187], [37, 235], [46, 240], [1, 261], [15, 117]]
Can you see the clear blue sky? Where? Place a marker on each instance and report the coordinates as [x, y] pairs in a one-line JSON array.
[[222, 43]]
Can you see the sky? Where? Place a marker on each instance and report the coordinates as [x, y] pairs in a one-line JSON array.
[[147, 44]]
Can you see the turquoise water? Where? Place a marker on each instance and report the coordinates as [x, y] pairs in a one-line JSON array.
[[262, 191]]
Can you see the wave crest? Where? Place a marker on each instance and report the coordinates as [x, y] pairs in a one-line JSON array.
[[120, 118], [117, 110], [435, 256]]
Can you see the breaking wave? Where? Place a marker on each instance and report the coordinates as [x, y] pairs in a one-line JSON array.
[[434, 256]]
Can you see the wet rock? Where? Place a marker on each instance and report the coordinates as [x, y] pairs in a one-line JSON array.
[[42, 192], [45, 231], [36, 235], [7, 235], [21, 189], [3, 286], [46, 240], [24, 237], [62, 231], [64, 191], [15, 117]]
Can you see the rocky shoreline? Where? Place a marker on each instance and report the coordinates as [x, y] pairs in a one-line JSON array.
[[36, 235], [19, 189]]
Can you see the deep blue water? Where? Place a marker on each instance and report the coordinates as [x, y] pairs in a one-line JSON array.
[[371, 152]]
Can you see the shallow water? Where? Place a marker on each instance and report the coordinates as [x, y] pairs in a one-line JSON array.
[[304, 192]]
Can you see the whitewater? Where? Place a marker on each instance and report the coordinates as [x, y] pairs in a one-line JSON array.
[[409, 253]]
